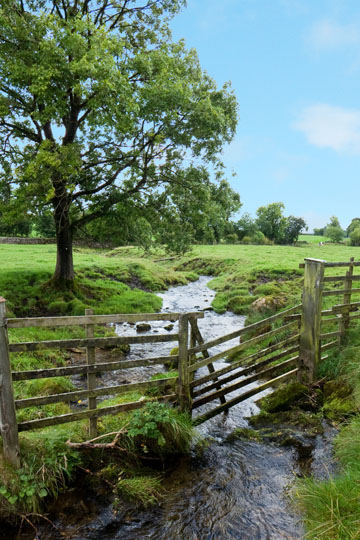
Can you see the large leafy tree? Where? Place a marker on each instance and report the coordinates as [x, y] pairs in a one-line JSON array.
[[271, 221], [98, 107]]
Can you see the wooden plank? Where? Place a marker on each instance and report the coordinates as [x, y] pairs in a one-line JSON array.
[[340, 292], [91, 377], [331, 320], [92, 394], [82, 415], [339, 264], [240, 384], [205, 353], [241, 346], [220, 408], [311, 320], [330, 345], [330, 334], [296, 317], [8, 423], [96, 319], [248, 360], [340, 278], [255, 326], [353, 317], [353, 306], [96, 368], [87, 342], [243, 372]]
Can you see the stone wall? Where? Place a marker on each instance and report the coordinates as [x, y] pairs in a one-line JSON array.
[[19, 240]]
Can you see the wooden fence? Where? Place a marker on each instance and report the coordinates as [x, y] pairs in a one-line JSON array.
[[288, 344], [8, 405]]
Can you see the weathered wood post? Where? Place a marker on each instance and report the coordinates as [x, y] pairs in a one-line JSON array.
[[91, 377], [344, 317], [184, 375], [8, 424], [310, 346]]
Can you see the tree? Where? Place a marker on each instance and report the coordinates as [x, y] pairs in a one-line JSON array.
[[334, 222], [333, 230], [355, 236], [355, 223], [271, 222], [293, 227], [336, 234], [320, 231], [99, 108], [245, 226]]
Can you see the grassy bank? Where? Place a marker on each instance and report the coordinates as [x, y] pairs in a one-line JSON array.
[[331, 508]]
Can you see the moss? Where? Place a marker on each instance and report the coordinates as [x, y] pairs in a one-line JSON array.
[[308, 422], [338, 408], [244, 434], [339, 401], [282, 398]]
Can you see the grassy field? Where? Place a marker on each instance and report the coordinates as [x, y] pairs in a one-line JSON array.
[[313, 238]]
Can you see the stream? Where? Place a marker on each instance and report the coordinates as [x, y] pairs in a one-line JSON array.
[[235, 490]]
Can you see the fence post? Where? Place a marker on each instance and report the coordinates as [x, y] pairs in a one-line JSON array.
[[310, 346], [184, 376], [91, 377], [8, 423], [344, 317]]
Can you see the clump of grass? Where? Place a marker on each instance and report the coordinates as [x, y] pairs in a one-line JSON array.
[[331, 508], [145, 490], [47, 466]]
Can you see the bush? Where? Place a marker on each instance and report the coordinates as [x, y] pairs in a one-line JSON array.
[[355, 237], [258, 238]]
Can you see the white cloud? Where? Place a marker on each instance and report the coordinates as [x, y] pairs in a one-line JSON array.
[[326, 126], [328, 35]]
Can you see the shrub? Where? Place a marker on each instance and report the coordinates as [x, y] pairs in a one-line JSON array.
[[355, 237]]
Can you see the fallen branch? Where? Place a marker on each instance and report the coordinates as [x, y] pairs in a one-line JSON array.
[[92, 444]]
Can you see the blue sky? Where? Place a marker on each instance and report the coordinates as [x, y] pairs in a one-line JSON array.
[[295, 69]]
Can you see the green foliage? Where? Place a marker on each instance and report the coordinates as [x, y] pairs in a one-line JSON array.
[[355, 236], [146, 422], [336, 234], [159, 430], [47, 466], [271, 222]]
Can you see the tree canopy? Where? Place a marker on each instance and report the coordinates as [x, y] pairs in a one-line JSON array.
[[98, 108]]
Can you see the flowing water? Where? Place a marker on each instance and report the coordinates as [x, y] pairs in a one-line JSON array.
[[236, 490]]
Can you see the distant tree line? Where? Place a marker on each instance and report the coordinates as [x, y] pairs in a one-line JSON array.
[[270, 226], [334, 231]]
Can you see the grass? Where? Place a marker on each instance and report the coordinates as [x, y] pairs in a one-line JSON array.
[[331, 508]]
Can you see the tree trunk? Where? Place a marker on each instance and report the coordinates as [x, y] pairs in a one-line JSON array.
[[64, 270]]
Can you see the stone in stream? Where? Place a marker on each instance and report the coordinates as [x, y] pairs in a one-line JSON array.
[[143, 327], [169, 327]]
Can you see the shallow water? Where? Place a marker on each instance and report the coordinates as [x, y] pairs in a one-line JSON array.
[[236, 490]]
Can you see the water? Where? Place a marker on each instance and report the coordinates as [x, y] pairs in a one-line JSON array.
[[236, 490]]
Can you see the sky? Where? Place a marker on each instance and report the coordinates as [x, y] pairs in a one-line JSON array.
[[294, 66]]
